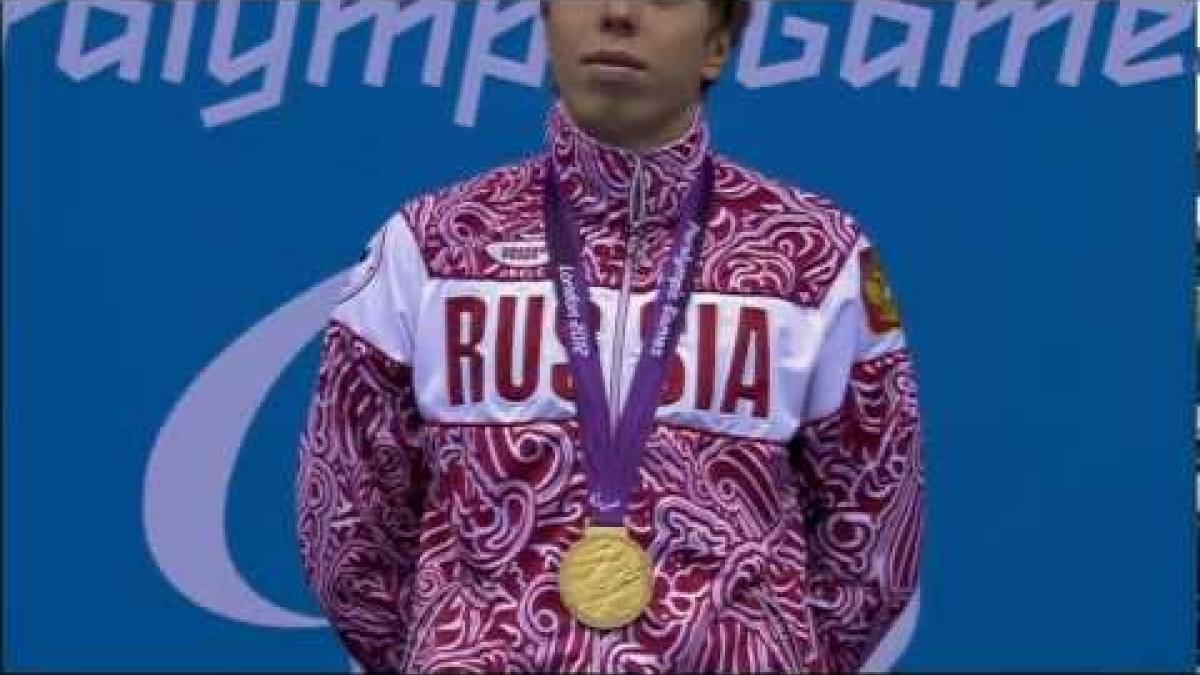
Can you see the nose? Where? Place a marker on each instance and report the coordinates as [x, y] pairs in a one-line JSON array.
[[620, 16]]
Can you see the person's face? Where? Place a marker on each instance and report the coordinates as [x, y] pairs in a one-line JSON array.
[[626, 67]]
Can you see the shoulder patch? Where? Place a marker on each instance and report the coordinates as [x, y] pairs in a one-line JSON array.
[[882, 313], [364, 271]]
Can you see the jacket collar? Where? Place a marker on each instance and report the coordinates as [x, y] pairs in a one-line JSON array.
[[597, 178]]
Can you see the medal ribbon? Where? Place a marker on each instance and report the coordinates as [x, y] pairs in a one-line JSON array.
[[613, 458]]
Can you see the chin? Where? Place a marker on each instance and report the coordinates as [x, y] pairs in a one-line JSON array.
[[605, 110]]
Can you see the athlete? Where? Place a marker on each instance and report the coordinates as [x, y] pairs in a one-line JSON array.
[[626, 406]]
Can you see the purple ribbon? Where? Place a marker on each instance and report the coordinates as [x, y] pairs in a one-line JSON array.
[[612, 458]]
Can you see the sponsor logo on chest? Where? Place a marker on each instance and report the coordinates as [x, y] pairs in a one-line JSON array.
[[518, 253]]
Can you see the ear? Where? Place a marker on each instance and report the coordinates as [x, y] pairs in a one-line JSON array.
[[720, 44]]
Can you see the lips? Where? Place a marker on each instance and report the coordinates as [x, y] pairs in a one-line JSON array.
[[615, 59]]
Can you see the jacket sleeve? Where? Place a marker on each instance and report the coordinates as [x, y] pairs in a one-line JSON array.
[[859, 460], [361, 480]]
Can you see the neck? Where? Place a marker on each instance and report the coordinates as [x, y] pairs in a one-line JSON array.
[[641, 139], [599, 172]]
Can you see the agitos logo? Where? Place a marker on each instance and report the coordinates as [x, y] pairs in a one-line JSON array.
[[189, 470]]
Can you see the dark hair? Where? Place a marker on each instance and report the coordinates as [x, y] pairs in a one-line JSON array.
[[732, 15]]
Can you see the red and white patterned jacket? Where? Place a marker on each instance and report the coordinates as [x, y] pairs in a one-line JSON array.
[[441, 480]]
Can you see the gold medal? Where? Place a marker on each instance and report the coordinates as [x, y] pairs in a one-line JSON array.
[[605, 578]]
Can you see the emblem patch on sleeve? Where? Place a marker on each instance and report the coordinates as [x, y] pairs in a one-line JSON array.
[[882, 313], [365, 269]]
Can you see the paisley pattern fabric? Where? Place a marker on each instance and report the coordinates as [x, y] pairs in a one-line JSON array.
[[431, 532]]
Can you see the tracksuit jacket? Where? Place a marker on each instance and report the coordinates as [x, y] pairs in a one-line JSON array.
[[781, 492]]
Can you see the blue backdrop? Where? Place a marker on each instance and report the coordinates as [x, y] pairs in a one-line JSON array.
[[1035, 212]]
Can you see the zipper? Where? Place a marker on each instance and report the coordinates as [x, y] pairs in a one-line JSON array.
[[637, 212]]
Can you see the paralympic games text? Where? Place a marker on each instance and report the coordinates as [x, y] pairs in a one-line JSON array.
[[1131, 56]]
